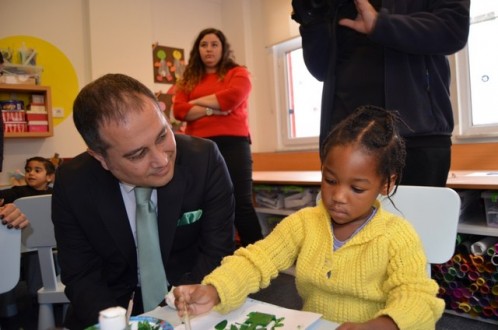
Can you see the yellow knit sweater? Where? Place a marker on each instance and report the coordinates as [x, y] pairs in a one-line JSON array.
[[379, 271]]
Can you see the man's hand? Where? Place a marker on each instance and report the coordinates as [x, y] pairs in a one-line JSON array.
[[365, 20]]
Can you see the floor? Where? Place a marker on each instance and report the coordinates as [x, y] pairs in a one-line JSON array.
[[282, 292], [24, 313]]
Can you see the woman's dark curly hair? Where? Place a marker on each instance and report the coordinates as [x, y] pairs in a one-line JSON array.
[[195, 69], [373, 129]]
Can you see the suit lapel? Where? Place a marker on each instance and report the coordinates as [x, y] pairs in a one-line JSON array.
[[169, 203], [114, 216]]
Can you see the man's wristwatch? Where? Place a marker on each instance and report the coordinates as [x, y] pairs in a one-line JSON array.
[[209, 111]]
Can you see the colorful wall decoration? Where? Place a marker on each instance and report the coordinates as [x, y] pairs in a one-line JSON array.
[[169, 64], [57, 70]]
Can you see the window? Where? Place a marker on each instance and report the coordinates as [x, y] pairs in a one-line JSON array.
[[299, 98], [477, 74]]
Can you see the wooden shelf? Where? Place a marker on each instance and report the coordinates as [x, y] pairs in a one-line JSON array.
[[24, 92]]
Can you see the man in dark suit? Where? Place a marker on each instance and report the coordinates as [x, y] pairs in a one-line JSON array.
[[131, 144]]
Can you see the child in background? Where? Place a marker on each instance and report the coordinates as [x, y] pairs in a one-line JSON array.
[[39, 173], [356, 264]]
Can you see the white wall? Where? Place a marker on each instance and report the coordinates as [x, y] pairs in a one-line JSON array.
[[61, 23], [102, 36]]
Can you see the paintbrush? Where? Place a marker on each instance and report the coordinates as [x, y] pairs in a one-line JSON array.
[[130, 308], [186, 318]]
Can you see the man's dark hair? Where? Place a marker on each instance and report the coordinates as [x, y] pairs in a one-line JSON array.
[[105, 100]]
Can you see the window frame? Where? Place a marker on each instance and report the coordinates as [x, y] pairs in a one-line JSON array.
[[466, 130], [285, 142]]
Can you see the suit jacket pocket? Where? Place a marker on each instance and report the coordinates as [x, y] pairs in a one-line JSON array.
[[189, 218]]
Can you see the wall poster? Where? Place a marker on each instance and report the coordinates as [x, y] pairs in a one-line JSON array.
[[168, 63]]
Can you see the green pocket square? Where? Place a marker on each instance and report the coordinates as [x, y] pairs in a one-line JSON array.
[[189, 218]]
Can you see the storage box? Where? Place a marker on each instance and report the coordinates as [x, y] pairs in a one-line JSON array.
[[13, 116], [17, 79], [35, 116], [38, 126], [472, 205], [37, 107], [12, 105], [491, 205], [14, 127], [38, 99]]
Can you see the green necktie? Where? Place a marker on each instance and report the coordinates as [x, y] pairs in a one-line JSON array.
[[153, 280]]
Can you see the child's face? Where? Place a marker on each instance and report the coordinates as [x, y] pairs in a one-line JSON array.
[[36, 175], [350, 185]]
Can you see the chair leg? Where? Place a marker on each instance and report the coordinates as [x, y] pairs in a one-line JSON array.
[[46, 318], [65, 307]]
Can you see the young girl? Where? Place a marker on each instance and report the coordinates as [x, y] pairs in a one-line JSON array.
[[39, 173], [356, 264]]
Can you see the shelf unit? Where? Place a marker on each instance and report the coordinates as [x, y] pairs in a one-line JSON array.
[[457, 180], [24, 93], [474, 180]]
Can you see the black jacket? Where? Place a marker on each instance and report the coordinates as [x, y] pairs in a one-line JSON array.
[[96, 248], [416, 36]]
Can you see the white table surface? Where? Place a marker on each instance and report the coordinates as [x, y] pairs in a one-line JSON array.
[[168, 314]]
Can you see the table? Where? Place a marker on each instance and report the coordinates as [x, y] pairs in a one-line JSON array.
[[170, 315], [456, 179]]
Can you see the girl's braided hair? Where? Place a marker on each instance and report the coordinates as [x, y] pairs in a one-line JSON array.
[[373, 129]]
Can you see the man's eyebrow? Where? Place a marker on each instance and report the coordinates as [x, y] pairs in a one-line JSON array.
[[132, 152]]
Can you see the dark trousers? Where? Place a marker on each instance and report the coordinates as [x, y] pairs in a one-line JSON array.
[[237, 154], [427, 166]]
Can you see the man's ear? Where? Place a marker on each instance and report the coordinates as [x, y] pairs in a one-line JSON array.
[[389, 186], [99, 157]]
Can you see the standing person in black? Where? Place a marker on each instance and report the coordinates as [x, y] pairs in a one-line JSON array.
[[390, 54]]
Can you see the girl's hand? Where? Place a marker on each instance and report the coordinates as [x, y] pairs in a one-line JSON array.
[[198, 299], [12, 217]]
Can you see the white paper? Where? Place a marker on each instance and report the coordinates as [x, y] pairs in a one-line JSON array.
[[294, 319], [483, 174]]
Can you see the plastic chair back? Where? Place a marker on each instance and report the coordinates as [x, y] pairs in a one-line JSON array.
[[10, 257], [40, 236], [434, 212]]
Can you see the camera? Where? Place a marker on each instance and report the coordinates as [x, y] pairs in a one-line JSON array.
[[307, 11], [316, 4]]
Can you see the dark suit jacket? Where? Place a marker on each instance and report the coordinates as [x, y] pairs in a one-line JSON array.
[[97, 252]]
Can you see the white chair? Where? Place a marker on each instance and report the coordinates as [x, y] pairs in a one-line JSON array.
[[40, 236], [434, 212], [10, 258]]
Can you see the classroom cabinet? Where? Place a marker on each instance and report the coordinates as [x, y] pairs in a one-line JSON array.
[[26, 111]]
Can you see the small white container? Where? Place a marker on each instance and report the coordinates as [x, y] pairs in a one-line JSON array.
[[491, 204], [113, 318]]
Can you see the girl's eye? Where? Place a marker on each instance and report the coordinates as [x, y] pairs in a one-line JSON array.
[[357, 190], [330, 181]]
